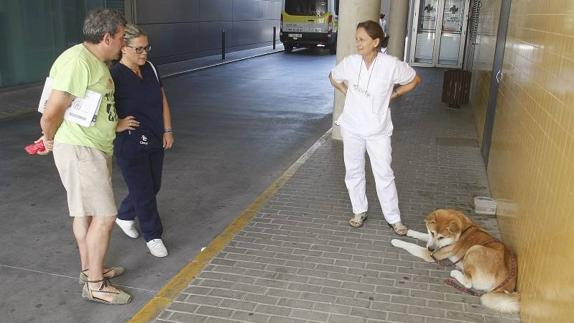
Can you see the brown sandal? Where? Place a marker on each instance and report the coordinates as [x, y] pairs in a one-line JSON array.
[[399, 228], [120, 297], [108, 273], [358, 219]]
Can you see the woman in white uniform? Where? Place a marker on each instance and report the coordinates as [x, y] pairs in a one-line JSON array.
[[368, 81]]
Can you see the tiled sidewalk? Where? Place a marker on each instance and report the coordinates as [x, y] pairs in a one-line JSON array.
[[298, 260]]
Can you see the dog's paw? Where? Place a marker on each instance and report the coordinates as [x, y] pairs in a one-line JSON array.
[[455, 274], [397, 243], [459, 276], [417, 235]]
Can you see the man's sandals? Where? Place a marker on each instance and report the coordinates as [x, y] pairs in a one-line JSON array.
[[108, 273], [119, 297]]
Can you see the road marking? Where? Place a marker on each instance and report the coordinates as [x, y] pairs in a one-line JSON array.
[[151, 291], [196, 69]]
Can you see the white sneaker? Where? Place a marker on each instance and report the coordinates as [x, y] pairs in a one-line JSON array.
[[128, 227], [157, 248]]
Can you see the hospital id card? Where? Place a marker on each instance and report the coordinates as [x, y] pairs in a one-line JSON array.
[[82, 111]]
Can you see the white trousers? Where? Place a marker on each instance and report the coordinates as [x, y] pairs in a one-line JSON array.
[[379, 149]]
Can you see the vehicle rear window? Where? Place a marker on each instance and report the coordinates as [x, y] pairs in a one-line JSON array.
[[306, 7]]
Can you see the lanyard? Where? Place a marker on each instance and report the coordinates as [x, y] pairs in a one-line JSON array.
[[365, 91]]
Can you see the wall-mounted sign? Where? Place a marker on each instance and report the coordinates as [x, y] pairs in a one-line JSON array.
[[428, 15], [452, 16]]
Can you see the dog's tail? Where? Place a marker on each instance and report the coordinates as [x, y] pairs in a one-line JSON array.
[[501, 301]]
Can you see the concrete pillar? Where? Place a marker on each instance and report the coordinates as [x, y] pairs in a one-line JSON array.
[[385, 5], [397, 23], [351, 12]]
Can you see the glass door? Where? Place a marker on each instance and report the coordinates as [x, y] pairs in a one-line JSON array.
[[426, 32], [451, 39], [440, 33]]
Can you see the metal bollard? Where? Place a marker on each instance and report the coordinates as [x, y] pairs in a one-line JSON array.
[[223, 44], [274, 36]]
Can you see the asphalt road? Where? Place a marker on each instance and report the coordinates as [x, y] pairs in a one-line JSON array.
[[237, 128]]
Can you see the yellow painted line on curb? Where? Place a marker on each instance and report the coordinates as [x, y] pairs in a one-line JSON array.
[[181, 280]]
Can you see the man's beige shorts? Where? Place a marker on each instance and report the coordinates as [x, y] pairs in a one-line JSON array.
[[87, 177]]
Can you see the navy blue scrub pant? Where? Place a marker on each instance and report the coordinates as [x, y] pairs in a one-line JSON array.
[[141, 168]]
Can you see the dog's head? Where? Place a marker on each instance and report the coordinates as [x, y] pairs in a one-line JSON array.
[[444, 227]]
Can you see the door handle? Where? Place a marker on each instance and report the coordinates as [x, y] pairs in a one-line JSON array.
[[499, 76]]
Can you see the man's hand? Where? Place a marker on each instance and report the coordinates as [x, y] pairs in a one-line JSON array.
[[54, 113], [48, 145]]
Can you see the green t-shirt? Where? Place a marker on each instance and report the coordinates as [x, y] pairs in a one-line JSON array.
[[75, 71]]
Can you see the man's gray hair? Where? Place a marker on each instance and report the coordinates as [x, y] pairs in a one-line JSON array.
[[99, 22]]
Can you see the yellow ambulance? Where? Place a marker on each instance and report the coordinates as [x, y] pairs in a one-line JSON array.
[[309, 23]]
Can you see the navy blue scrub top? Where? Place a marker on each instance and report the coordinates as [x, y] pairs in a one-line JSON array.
[[139, 97]]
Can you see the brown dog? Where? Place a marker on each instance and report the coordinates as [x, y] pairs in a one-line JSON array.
[[485, 263]]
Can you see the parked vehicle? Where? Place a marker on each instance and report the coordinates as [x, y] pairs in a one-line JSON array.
[[309, 23]]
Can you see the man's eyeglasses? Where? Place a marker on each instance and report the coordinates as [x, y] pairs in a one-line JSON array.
[[140, 50]]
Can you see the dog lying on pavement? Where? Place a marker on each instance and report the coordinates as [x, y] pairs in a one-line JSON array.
[[485, 263]]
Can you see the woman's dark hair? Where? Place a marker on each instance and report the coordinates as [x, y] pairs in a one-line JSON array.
[[374, 30]]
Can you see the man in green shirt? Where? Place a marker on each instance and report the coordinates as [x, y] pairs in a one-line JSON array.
[[83, 154]]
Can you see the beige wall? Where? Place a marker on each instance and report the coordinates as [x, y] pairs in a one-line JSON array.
[[531, 167]]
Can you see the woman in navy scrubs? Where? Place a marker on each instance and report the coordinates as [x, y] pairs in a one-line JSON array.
[[144, 131]]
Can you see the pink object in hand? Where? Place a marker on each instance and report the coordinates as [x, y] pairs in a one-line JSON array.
[[35, 148]]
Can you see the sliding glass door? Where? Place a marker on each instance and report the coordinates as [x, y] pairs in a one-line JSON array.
[[439, 33]]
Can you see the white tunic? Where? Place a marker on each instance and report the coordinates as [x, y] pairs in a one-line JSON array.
[[366, 111]]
